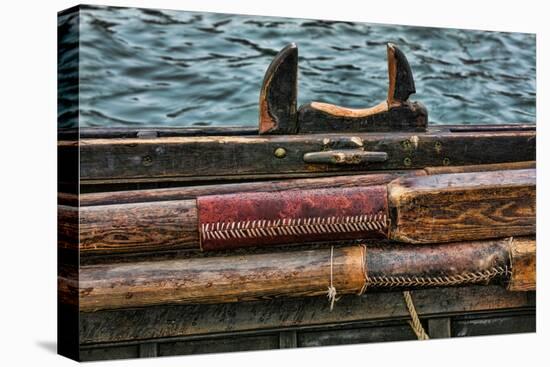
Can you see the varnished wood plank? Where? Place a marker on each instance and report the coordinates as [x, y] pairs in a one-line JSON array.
[[182, 320], [463, 206], [231, 156]]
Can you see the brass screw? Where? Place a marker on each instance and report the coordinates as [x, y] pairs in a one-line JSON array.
[[147, 160], [446, 161], [438, 147], [406, 144], [407, 161], [280, 152]]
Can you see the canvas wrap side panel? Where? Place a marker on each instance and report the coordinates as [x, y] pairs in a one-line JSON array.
[[269, 218]]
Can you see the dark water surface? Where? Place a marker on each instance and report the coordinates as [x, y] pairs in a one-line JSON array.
[[141, 67]]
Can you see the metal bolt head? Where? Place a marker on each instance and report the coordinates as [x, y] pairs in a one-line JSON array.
[[147, 160], [446, 161], [406, 144], [407, 161], [438, 147], [280, 152]]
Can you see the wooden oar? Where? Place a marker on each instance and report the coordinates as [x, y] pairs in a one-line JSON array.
[[332, 271], [422, 209]]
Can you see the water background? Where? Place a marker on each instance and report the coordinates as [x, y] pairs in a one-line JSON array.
[[141, 67]]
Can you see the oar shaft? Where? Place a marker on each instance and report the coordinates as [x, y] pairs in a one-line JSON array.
[[348, 270], [422, 209]]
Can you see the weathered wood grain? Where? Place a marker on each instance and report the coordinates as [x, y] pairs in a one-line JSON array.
[[463, 206], [221, 279], [524, 268], [139, 227], [231, 157], [480, 168], [168, 321], [192, 192]]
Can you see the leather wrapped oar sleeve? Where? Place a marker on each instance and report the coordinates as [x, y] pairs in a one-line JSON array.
[[268, 218], [417, 266]]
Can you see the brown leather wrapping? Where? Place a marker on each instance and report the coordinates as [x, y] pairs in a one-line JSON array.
[[414, 266], [269, 218]]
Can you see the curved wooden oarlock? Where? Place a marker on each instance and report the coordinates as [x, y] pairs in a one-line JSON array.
[[279, 93], [278, 97], [396, 113]]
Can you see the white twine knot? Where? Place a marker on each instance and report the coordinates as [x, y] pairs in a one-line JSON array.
[[331, 293]]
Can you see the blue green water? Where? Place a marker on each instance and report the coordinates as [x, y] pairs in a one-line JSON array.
[[142, 67]]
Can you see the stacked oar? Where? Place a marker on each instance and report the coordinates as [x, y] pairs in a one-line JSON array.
[[435, 227]]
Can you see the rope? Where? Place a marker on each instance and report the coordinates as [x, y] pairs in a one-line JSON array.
[[364, 268], [331, 289], [293, 226], [438, 281], [415, 323]]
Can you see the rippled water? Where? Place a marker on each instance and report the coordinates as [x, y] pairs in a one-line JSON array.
[[142, 67]]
